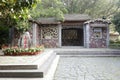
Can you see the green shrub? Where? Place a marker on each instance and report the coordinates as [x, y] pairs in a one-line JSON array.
[[16, 50], [115, 44]]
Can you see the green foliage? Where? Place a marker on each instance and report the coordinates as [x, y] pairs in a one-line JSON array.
[[49, 8], [115, 44], [116, 21], [17, 51], [95, 8], [57, 8], [3, 35], [13, 11]]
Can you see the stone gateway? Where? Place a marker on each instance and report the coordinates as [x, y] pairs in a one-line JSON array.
[[75, 30]]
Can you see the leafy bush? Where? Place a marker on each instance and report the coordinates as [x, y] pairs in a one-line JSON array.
[[4, 33], [16, 50], [115, 44]]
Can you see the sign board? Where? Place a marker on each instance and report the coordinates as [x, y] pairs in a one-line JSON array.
[[98, 33]]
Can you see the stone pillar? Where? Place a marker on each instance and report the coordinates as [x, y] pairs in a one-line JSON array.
[[34, 34], [60, 35], [87, 35], [41, 36], [108, 36], [84, 33]]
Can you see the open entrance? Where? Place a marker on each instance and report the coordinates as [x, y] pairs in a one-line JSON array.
[[72, 37]]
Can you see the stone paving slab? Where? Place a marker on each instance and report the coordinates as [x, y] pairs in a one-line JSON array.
[[88, 68]]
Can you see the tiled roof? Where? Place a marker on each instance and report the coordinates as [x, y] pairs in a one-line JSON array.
[[76, 17], [48, 21], [67, 17], [97, 20]]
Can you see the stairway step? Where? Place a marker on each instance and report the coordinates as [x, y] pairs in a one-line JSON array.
[[45, 67], [93, 52], [24, 62], [36, 73]]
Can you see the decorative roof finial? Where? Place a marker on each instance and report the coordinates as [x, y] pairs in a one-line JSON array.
[[103, 17]]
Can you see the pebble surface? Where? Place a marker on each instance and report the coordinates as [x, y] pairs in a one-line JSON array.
[[88, 68]]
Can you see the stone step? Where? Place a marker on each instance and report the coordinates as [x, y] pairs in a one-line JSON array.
[[24, 62], [48, 76], [52, 69], [89, 52], [41, 72]]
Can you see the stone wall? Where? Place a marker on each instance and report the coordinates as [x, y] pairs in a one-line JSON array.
[[50, 43], [96, 33], [98, 42], [50, 36]]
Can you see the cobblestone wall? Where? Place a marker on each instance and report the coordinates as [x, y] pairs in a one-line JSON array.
[[50, 43], [50, 32], [98, 42], [50, 36]]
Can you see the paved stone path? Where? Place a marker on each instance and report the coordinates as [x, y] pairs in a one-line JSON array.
[[88, 68]]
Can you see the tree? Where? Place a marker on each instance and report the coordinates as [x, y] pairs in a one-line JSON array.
[[116, 18], [4, 31], [94, 8], [116, 21], [14, 11], [49, 8]]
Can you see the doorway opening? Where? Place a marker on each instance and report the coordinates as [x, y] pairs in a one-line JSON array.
[[72, 37]]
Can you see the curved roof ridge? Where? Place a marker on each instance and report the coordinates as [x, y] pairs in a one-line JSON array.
[[97, 20]]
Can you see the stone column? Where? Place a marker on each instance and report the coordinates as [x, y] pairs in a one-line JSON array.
[[108, 36], [87, 35], [34, 34], [60, 35], [41, 36], [84, 33]]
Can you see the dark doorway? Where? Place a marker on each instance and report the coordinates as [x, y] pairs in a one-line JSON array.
[[72, 37]]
